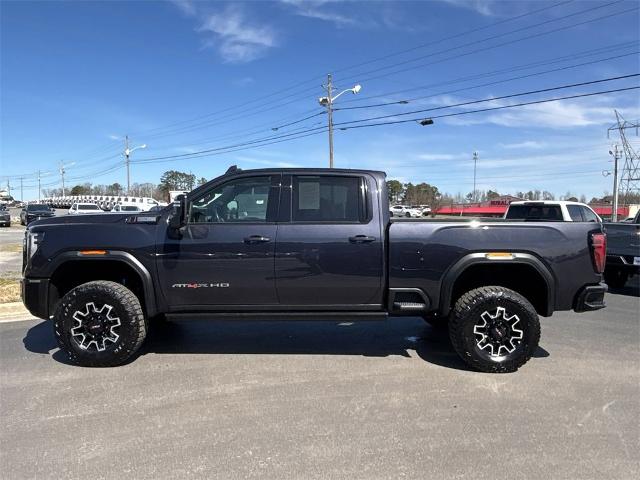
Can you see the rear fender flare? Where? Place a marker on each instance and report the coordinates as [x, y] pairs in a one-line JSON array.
[[477, 258]]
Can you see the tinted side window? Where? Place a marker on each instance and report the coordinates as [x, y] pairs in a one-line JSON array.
[[588, 215], [534, 212], [575, 212], [326, 199], [241, 200]]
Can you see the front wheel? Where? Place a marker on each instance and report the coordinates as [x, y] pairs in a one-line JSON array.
[[494, 329], [99, 324]]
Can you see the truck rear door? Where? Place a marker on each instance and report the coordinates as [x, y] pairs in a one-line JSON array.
[[330, 243]]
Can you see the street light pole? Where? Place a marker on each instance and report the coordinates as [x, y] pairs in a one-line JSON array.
[[328, 102], [127, 154], [475, 164], [62, 172], [38, 186], [616, 156], [330, 118]]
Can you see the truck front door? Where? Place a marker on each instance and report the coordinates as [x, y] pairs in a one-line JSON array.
[[226, 254], [329, 253]]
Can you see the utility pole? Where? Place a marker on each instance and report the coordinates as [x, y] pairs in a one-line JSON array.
[[8, 187], [127, 152], [615, 153], [330, 118], [475, 164], [21, 191], [38, 186], [61, 169], [328, 102]]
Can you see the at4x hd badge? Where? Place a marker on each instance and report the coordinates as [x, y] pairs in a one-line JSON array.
[[201, 285]]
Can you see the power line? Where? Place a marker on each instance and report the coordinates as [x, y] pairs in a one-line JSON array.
[[313, 79], [487, 109], [300, 134], [503, 97], [451, 37], [491, 47]]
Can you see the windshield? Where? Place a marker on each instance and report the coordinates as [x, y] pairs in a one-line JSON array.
[[37, 207], [535, 212], [88, 207], [128, 208]]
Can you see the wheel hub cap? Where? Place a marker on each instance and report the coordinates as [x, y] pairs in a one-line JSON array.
[[95, 327], [498, 332]]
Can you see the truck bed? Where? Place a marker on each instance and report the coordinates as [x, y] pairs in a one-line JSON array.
[[422, 253]]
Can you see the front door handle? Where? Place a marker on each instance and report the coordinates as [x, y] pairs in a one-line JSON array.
[[362, 239], [256, 239]]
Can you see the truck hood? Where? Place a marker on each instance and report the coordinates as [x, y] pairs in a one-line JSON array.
[[90, 219]]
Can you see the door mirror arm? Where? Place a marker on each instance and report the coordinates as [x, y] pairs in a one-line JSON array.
[[178, 217]]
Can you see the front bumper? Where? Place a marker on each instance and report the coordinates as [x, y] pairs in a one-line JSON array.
[[590, 298], [35, 296]]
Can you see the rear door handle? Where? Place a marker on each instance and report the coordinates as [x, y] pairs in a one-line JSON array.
[[362, 239], [256, 239]]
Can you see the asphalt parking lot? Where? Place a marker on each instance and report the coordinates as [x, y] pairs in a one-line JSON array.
[[325, 400]]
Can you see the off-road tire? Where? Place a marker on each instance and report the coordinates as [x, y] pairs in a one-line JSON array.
[[467, 313], [615, 277], [126, 307]]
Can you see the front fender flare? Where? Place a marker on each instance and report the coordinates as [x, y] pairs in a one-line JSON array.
[[150, 304]]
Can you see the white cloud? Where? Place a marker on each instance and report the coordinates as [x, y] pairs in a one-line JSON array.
[[187, 7], [437, 156], [244, 81], [236, 39], [230, 32], [268, 163], [114, 137], [317, 9], [521, 145], [483, 7]]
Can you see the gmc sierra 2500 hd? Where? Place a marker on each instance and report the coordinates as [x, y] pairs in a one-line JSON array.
[[306, 244]]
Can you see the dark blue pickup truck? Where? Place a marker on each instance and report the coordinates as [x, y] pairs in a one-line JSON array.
[[306, 244]]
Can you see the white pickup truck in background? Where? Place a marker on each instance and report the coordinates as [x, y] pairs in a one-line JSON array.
[[551, 210]]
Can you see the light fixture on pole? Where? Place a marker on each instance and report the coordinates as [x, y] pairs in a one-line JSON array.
[[475, 164], [62, 171], [127, 152], [615, 153], [328, 102]]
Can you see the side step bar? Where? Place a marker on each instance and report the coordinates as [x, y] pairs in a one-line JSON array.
[[282, 316], [409, 306]]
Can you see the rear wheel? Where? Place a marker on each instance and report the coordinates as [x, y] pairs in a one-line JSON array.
[[494, 329], [99, 324], [615, 277]]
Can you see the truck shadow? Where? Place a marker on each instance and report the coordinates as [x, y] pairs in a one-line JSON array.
[[630, 289], [405, 337]]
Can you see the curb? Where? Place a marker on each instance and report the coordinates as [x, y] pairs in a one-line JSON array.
[[14, 311]]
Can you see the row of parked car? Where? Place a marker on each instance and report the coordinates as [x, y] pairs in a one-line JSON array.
[[35, 211], [410, 211]]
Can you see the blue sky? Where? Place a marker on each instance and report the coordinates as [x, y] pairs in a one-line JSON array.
[[184, 76]]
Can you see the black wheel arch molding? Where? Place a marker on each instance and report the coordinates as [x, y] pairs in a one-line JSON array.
[[483, 258], [151, 304]]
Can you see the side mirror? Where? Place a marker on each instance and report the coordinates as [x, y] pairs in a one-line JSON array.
[[178, 217]]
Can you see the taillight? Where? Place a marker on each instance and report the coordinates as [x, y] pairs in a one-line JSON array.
[[599, 251]]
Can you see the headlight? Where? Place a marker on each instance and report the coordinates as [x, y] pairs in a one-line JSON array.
[[34, 239]]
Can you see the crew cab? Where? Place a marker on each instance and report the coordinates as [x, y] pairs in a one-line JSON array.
[[306, 244]]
